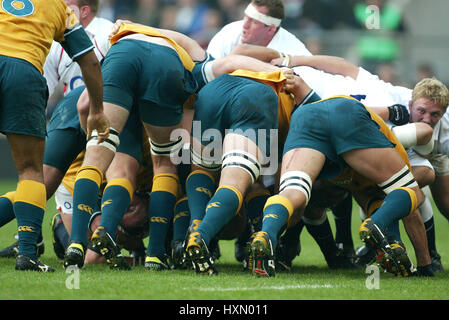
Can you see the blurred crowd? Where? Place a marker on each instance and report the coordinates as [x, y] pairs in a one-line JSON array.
[[377, 51]]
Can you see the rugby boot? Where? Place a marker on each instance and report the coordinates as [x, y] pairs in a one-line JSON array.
[[214, 249], [241, 243], [13, 250], [288, 249], [400, 265], [373, 237], [364, 256], [25, 263], [347, 249], [178, 255], [436, 261], [156, 263], [57, 245], [262, 255], [74, 255], [103, 242], [248, 259], [199, 255], [338, 260]]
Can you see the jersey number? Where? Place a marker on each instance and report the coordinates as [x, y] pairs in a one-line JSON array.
[[19, 8]]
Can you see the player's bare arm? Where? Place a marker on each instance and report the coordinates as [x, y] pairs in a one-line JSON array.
[[90, 67]]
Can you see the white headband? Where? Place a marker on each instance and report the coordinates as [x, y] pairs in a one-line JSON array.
[[253, 13]]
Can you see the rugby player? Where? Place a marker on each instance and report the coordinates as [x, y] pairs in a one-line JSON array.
[[40, 23]]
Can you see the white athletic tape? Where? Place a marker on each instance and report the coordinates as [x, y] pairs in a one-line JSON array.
[[165, 149], [243, 160], [253, 13], [406, 134], [297, 180], [208, 72], [112, 142], [208, 164], [403, 178]]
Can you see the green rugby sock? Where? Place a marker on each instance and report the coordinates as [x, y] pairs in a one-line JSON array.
[[255, 203], [275, 215], [222, 207], [200, 187], [181, 220], [29, 207], [397, 204], [161, 210], [85, 201], [115, 202], [6, 208]]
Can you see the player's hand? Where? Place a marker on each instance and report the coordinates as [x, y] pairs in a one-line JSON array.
[[282, 61], [117, 26], [277, 61], [289, 83], [398, 114], [99, 122]]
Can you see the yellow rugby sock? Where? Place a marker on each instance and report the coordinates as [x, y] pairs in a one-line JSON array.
[[29, 207], [162, 202]]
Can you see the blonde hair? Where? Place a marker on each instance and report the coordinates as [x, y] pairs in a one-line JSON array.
[[432, 89]]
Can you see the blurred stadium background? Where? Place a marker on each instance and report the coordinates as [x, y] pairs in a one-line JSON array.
[[411, 42]]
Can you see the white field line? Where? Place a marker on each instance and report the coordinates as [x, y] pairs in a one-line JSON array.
[[297, 286]]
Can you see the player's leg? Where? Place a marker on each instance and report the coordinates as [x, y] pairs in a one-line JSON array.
[[23, 99], [240, 169], [440, 192], [300, 168], [403, 196], [30, 197], [164, 192], [88, 181], [118, 193], [201, 182], [117, 196], [393, 176]]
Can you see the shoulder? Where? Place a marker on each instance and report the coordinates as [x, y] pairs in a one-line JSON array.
[[231, 29], [98, 22], [99, 26], [287, 42]]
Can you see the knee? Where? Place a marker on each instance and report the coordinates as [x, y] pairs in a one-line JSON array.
[[424, 176]]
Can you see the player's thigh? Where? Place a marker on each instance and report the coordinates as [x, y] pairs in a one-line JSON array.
[[27, 153], [123, 166], [23, 98], [377, 164]]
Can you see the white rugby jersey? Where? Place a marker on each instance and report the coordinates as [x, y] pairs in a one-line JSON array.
[[59, 67], [367, 88], [441, 135], [230, 36]]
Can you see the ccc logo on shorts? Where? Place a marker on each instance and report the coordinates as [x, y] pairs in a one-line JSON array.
[[85, 208], [23, 8]]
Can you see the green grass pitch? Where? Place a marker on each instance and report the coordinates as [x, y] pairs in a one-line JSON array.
[[309, 279]]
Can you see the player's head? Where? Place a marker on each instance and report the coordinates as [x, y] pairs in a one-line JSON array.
[[430, 99], [261, 22], [84, 9]]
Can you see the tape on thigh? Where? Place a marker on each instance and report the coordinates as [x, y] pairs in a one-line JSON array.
[[165, 149], [112, 142], [297, 180], [403, 178], [243, 160], [204, 162]]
